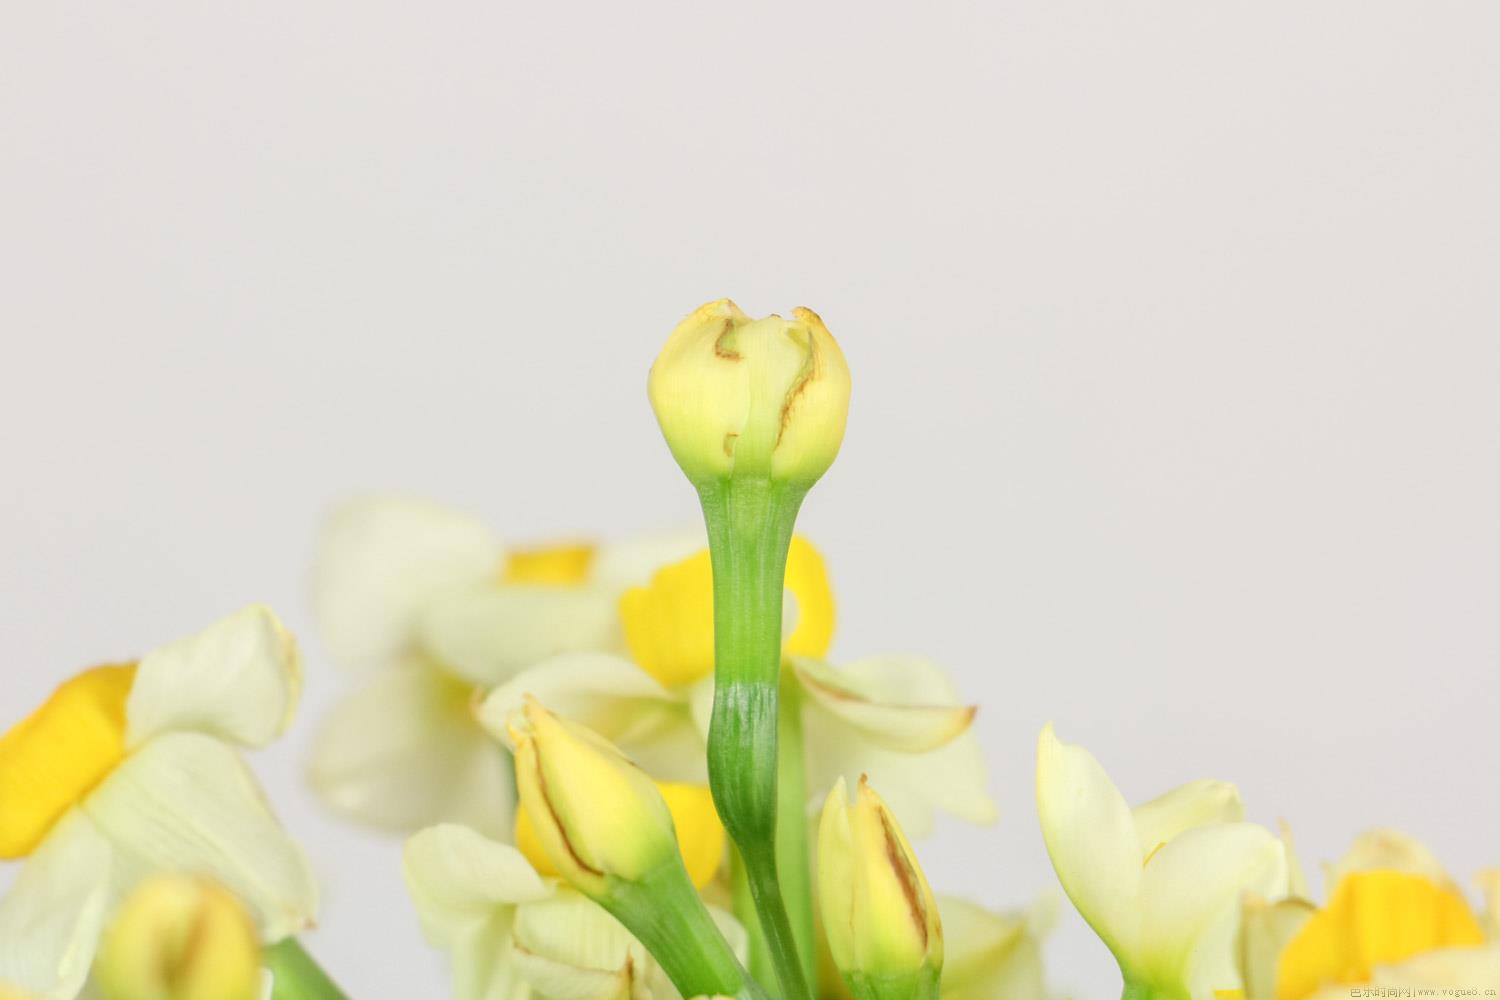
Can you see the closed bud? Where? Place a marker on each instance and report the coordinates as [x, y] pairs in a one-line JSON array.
[[179, 937], [765, 398], [596, 815], [881, 918]]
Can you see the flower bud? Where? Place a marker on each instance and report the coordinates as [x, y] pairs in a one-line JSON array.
[[881, 918], [597, 816], [179, 937], [766, 398]]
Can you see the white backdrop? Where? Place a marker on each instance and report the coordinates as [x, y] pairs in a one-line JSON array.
[[1173, 329]]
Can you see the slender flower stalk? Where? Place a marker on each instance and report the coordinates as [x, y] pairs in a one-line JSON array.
[[297, 976], [754, 412]]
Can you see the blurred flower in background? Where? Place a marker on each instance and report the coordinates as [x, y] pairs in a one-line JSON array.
[[428, 607], [1394, 918], [128, 770]]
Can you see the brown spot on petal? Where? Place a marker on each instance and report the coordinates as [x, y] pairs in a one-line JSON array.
[[722, 347], [562, 834], [905, 874]]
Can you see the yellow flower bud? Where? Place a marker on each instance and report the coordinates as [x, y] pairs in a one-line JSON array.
[[180, 937], [880, 915], [738, 396], [596, 815]]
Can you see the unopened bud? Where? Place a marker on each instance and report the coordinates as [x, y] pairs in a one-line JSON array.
[[758, 397], [180, 937], [881, 918]]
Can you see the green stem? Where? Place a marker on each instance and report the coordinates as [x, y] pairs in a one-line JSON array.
[[761, 966], [297, 976], [665, 913], [749, 531], [793, 855]]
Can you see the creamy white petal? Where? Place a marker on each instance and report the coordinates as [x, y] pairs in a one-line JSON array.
[[380, 559], [631, 562], [405, 751], [1091, 837], [885, 715], [1265, 930], [459, 878], [916, 786], [1389, 849], [1191, 893], [239, 679], [490, 634], [569, 948], [988, 955], [51, 919], [1447, 968], [466, 888], [616, 699], [1198, 803], [186, 802]]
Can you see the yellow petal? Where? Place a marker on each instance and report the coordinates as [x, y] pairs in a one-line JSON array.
[[700, 833], [1374, 918], [807, 579], [550, 566], [669, 623], [54, 757]]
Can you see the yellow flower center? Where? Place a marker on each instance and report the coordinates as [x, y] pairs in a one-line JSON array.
[[700, 834], [549, 566], [1374, 918], [54, 757], [669, 623]]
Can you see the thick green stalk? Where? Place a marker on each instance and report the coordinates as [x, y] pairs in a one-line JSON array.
[[296, 976], [749, 531], [665, 913]]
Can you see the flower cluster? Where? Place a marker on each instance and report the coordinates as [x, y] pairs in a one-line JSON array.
[[632, 770]]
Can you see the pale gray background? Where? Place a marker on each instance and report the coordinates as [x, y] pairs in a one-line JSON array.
[[1173, 328]]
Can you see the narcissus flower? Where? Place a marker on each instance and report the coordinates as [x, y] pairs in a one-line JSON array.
[[879, 913], [1394, 919], [180, 937], [765, 398], [130, 769], [1160, 884], [430, 604], [511, 934]]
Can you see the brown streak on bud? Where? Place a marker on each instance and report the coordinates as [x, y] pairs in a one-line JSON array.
[[541, 781], [904, 873], [721, 348]]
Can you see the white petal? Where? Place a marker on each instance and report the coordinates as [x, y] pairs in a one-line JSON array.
[[465, 888], [186, 802], [1091, 838], [489, 634], [1191, 891], [459, 880], [616, 699], [879, 732], [569, 948], [51, 919], [1446, 968], [1198, 803], [1389, 849], [238, 679], [380, 559], [631, 562], [953, 779], [988, 955], [883, 714], [405, 751]]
